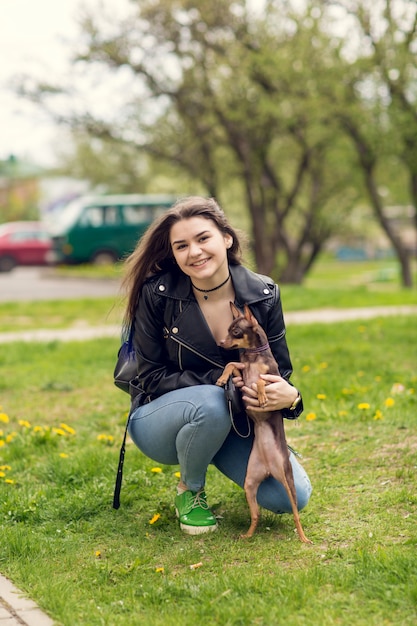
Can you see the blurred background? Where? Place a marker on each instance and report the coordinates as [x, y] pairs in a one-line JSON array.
[[299, 116]]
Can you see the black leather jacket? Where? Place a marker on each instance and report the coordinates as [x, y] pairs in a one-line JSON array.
[[174, 345]]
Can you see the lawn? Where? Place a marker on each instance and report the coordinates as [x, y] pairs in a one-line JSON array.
[[61, 424]]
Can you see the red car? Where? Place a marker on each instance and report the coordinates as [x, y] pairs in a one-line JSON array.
[[23, 243]]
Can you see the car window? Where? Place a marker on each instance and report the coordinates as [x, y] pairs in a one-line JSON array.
[[25, 235], [136, 214]]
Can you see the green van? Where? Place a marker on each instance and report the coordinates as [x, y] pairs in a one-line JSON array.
[[103, 229]]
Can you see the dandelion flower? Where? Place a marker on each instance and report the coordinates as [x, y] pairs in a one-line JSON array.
[[4, 468], [343, 413], [10, 437], [64, 455], [97, 554], [24, 423], [323, 366], [321, 396], [159, 570], [9, 481], [378, 415], [305, 368], [2, 474], [310, 417], [363, 406], [155, 518], [389, 402], [4, 418], [38, 429], [156, 470], [68, 429], [59, 431], [177, 475], [2, 443]]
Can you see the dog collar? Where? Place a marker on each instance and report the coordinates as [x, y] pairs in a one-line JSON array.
[[262, 348]]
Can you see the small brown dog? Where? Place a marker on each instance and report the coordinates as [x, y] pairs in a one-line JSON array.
[[269, 455]]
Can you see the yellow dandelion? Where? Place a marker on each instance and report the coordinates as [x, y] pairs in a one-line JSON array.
[[310, 417], [155, 518], [63, 455], [9, 481], [159, 570], [10, 437], [305, 368], [323, 365], [38, 429], [2, 443], [1, 433], [97, 554], [68, 429], [389, 402], [59, 431], [346, 391], [363, 406], [343, 413], [2, 474], [378, 415], [4, 418], [156, 470], [177, 475], [4, 468], [24, 423], [321, 396]]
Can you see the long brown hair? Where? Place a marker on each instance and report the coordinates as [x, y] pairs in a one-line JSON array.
[[153, 253]]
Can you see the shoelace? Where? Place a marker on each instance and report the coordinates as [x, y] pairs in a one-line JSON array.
[[200, 501]]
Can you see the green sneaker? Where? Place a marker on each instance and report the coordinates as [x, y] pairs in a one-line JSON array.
[[194, 514]]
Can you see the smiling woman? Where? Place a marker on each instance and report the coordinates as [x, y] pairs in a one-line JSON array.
[[180, 281]]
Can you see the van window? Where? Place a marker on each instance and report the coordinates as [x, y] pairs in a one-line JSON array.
[[136, 214], [99, 216]]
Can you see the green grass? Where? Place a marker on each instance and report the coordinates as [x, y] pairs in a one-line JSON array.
[[87, 564]]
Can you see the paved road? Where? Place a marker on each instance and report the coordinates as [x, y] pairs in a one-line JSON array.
[[32, 283]]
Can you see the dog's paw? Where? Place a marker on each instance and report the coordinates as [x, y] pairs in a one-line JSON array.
[[220, 382]]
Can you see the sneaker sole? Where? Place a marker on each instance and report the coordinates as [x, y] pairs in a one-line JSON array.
[[197, 530]]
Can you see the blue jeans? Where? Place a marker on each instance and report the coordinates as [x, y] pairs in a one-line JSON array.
[[192, 427]]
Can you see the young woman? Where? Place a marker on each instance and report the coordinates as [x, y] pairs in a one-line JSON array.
[[180, 280]]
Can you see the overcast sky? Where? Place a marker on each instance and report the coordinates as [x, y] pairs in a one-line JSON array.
[[36, 39]]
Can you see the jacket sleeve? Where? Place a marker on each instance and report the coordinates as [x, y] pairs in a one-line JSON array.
[[156, 375], [276, 331]]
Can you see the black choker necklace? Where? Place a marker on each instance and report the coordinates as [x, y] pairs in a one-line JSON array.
[[210, 290]]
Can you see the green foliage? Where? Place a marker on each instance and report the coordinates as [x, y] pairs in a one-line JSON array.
[[61, 424]]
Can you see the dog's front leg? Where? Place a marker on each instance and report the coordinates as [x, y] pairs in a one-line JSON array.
[[231, 369]]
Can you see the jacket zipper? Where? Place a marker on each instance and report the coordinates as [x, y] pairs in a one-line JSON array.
[[183, 345]]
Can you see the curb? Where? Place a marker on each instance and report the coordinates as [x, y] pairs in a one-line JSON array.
[[17, 610]]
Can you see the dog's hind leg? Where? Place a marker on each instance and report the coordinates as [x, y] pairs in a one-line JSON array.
[[255, 474]]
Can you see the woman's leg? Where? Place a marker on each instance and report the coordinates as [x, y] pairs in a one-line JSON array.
[[186, 426], [232, 460]]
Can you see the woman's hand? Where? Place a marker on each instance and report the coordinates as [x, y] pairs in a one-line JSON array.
[[279, 393]]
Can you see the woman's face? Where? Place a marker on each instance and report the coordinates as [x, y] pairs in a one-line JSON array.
[[200, 249]]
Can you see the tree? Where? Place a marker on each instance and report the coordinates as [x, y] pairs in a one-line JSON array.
[[378, 110], [225, 114]]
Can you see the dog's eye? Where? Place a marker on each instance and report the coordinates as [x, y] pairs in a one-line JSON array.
[[237, 332]]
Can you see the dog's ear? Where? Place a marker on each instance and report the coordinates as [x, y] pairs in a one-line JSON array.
[[249, 316], [235, 311]]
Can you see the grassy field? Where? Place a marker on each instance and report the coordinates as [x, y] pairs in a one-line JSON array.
[[61, 424]]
